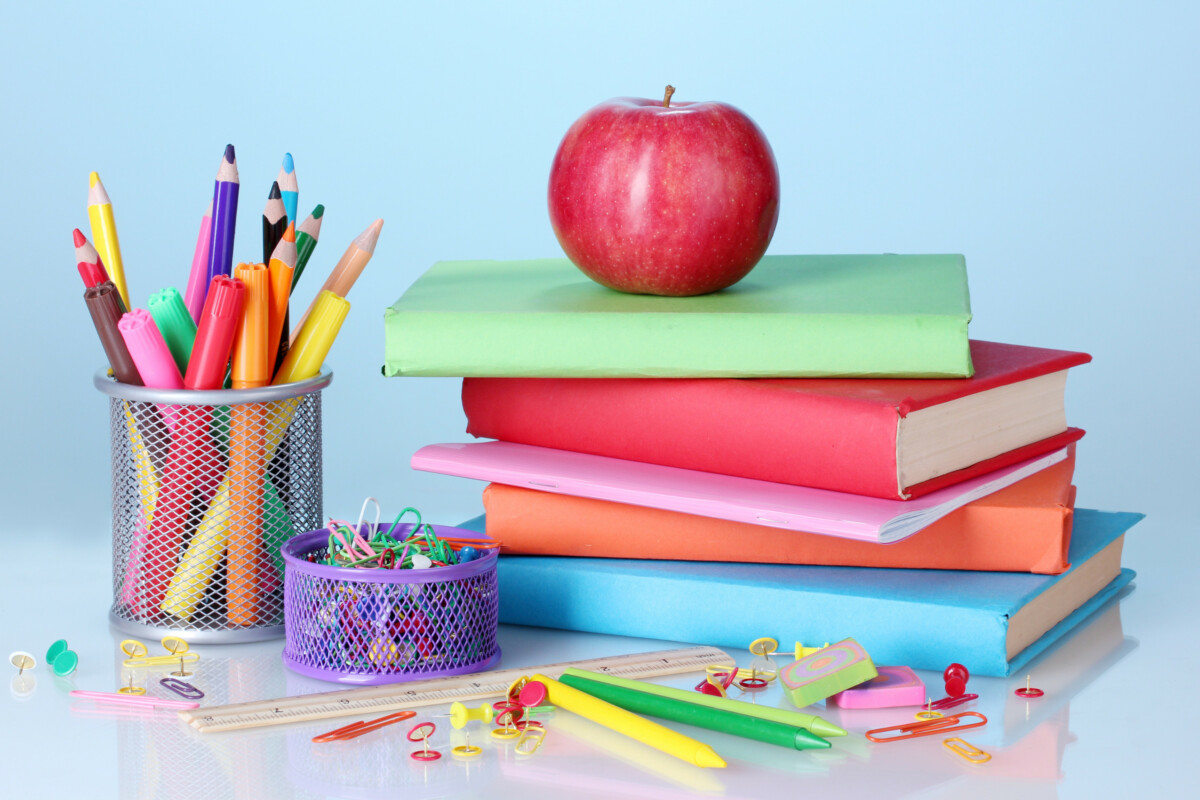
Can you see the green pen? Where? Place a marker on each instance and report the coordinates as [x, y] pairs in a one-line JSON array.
[[176, 325], [797, 719], [306, 241]]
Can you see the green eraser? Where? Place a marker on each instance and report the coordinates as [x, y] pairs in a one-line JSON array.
[[826, 672]]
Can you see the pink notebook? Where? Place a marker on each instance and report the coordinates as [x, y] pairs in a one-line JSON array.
[[707, 494]]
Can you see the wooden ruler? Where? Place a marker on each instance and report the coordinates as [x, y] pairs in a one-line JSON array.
[[433, 691]]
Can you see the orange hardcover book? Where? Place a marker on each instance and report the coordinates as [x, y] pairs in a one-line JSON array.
[[1023, 528]]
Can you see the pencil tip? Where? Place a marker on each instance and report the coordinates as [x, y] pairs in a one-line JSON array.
[[230, 155], [289, 166], [275, 193], [79, 237], [707, 757], [319, 211], [93, 179], [825, 729], [290, 234]]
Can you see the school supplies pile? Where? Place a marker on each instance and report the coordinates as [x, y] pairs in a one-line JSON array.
[[775, 422], [215, 410]]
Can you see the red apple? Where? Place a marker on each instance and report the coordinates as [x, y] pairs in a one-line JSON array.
[[655, 197]]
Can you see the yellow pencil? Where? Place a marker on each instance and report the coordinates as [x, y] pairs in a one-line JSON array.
[[200, 560], [626, 722], [104, 234], [313, 339]]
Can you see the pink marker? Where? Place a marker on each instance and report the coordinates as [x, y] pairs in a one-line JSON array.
[[149, 351], [197, 287]]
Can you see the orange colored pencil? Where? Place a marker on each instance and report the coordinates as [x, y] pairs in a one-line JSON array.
[[281, 267]]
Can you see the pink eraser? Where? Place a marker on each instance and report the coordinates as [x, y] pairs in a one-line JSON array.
[[893, 686]]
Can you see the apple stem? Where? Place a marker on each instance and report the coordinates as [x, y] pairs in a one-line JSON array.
[[667, 97]]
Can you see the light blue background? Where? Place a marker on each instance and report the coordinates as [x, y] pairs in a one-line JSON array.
[[1055, 145]]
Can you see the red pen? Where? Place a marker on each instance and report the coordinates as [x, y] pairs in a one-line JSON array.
[[90, 267], [218, 325]]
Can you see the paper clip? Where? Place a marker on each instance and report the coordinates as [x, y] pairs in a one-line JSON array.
[[179, 650], [356, 729], [967, 750], [929, 727], [951, 702], [531, 739], [182, 688]]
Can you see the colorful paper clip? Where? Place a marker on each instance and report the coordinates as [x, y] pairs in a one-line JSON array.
[[182, 688], [356, 729], [967, 750], [179, 653], [929, 727], [531, 739], [951, 702]]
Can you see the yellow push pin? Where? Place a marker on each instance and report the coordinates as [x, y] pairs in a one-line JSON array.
[[928, 713], [131, 689], [460, 715], [467, 750]]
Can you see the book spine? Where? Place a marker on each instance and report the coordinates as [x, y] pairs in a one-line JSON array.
[[711, 345], [598, 596], [742, 428]]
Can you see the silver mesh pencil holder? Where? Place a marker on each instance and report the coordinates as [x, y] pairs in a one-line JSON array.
[[206, 487]]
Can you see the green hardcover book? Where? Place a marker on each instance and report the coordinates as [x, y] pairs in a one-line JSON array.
[[881, 316]]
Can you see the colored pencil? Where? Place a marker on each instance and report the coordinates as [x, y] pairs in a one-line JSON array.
[[307, 234], [274, 222], [351, 265], [281, 266], [197, 286], [288, 186], [88, 261], [224, 216], [104, 234]]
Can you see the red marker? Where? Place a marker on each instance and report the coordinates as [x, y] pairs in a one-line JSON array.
[[90, 267], [218, 324]]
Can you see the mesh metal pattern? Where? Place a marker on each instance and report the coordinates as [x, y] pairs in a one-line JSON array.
[[371, 626], [204, 496]]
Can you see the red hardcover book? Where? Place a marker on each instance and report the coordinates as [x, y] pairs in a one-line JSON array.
[[891, 438]]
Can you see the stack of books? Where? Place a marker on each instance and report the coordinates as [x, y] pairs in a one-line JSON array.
[[818, 452]]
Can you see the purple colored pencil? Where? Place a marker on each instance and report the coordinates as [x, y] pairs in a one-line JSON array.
[[224, 216]]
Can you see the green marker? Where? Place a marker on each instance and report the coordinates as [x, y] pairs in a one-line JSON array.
[[795, 719], [306, 241], [176, 325], [655, 705]]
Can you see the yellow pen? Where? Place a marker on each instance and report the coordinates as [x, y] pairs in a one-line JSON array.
[[104, 234], [626, 722]]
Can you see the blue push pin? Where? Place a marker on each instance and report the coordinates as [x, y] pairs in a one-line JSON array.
[[466, 554]]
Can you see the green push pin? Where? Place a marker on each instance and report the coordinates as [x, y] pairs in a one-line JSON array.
[[62, 660]]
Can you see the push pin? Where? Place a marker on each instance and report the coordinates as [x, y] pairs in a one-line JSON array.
[[131, 689], [421, 733], [928, 713], [467, 750], [22, 661], [1029, 691], [508, 717], [460, 715], [62, 660], [956, 677]]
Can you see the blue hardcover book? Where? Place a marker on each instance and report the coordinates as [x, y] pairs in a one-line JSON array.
[[993, 622]]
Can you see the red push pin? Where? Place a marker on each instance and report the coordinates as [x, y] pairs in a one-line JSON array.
[[421, 733], [956, 677], [1029, 691]]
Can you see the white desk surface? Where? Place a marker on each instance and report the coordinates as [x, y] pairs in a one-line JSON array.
[[1099, 731]]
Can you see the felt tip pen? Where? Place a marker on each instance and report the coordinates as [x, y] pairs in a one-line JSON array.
[[251, 364], [175, 324], [104, 304], [219, 321], [149, 350]]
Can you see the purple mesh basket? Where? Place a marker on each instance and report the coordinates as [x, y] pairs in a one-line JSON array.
[[372, 626]]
